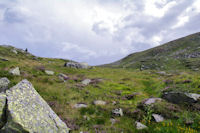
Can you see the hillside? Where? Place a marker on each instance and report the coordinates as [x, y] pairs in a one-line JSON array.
[[183, 53], [116, 100]]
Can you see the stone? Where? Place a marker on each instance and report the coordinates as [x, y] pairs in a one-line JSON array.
[[181, 97], [86, 81], [26, 111], [151, 101], [76, 65], [3, 59], [162, 73], [117, 112], [14, 51], [2, 109], [80, 105], [63, 77], [15, 71], [99, 102], [4, 82], [113, 121], [158, 118], [48, 72], [140, 126]]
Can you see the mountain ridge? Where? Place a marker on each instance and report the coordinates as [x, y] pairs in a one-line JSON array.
[[181, 52]]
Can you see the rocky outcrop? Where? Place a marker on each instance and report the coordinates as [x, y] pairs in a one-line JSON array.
[[77, 65], [23, 110]]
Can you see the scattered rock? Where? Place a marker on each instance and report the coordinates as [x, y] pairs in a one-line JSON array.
[[151, 101], [80, 105], [49, 72], [187, 81], [189, 122], [15, 71], [99, 102], [77, 65], [162, 73], [4, 82], [117, 112], [63, 77], [113, 121], [3, 59], [28, 112], [86, 81], [140, 126], [14, 51], [158, 118], [35, 58], [181, 97]]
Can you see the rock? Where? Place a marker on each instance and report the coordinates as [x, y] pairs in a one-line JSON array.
[[181, 97], [28, 112], [158, 118], [49, 72], [2, 109], [3, 59], [113, 121], [63, 77], [189, 122], [15, 71], [99, 102], [14, 51], [86, 81], [162, 73], [4, 82], [84, 65], [117, 112], [140, 126], [77, 65], [151, 101], [80, 105]]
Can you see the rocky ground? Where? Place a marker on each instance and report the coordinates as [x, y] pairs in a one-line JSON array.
[[98, 99]]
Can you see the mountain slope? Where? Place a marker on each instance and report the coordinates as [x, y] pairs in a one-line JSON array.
[[183, 53], [107, 99]]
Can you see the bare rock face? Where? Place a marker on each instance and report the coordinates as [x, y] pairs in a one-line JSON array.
[[26, 111]]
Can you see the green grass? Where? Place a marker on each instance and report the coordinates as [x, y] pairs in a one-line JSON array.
[[116, 83]]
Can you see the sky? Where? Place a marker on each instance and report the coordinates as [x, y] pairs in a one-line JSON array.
[[95, 31]]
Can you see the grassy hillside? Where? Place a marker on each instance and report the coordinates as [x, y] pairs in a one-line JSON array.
[[183, 53], [115, 86]]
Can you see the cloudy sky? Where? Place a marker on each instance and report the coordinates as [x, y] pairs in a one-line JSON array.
[[95, 31]]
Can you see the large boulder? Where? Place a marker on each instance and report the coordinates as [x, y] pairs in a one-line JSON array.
[[4, 82], [26, 111], [77, 65], [181, 97], [2, 109], [15, 71]]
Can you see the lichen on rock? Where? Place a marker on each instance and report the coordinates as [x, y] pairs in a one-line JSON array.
[[28, 112]]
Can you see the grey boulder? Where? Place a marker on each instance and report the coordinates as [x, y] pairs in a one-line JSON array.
[[4, 82], [181, 97], [15, 71], [26, 111], [77, 65], [48, 72], [158, 118], [117, 112], [140, 126], [86, 81]]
